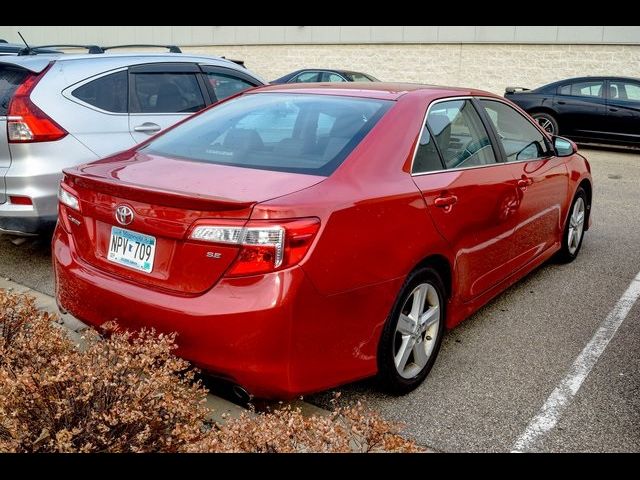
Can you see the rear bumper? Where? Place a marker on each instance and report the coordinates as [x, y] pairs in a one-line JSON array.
[[26, 225], [35, 171], [246, 341], [274, 334], [30, 219]]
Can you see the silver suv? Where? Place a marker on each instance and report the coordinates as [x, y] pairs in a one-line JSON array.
[[57, 111]]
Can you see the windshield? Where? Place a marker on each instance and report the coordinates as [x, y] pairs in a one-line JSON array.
[[296, 133]]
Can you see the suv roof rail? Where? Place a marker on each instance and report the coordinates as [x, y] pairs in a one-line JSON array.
[[237, 62], [35, 50], [171, 48]]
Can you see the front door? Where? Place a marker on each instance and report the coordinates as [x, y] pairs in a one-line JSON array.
[[471, 195], [623, 110], [160, 95], [582, 109], [540, 176]]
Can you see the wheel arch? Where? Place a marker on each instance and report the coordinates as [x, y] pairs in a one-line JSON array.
[[542, 109], [442, 265], [585, 184]]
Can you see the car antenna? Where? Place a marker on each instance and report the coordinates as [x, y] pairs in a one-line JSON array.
[[24, 41]]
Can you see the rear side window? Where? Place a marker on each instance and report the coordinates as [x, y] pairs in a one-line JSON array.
[[107, 93], [427, 157], [166, 93], [297, 133], [10, 80], [460, 134], [583, 89], [224, 86]]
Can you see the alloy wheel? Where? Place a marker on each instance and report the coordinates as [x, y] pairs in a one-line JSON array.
[[546, 125], [417, 331], [576, 225]]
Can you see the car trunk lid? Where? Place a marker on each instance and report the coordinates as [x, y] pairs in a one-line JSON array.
[[166, 197], [11, 77]]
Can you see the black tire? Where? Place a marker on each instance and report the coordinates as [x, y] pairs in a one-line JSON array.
[[547, 121], [389, 378], [569, 253]]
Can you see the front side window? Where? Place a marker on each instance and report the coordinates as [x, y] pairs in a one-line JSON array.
[[298, 133], [359, 77], [332, 77], [624, 91], [460, 135], [224, 86], [109, 93], [520, 139], [166, 93], [583, 89], [307, 77]]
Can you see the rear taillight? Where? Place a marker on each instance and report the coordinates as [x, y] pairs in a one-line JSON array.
[[68, 199], [265, 246], [26, 123]]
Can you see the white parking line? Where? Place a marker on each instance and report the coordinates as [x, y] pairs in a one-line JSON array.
[[563, 394]]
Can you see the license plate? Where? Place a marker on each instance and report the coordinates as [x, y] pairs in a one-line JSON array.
[[132, 249]]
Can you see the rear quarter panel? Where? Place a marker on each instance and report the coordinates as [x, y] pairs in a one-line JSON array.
[[375, 225]]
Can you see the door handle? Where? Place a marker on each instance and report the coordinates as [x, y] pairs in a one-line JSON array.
[[446, 202], [560, 102], [524, 182], [148, 127], [613, 109]]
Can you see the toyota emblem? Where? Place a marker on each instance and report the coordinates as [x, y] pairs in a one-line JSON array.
[[124, 215]]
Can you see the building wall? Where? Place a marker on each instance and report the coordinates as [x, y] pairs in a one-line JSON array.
[[487, 67], [485, 57], [257, 35]]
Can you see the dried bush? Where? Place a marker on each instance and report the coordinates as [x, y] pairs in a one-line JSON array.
[[129, 393]]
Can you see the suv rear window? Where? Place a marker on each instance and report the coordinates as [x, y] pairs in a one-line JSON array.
[[10, 80], [107, 93], [296, 133]]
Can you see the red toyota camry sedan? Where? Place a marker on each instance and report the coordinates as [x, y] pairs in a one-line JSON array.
[[301, 237]]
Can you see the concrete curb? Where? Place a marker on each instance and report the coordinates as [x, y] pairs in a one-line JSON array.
[[221, 409]]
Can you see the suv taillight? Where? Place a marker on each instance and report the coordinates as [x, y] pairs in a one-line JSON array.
[[26, 123], [265, 246]]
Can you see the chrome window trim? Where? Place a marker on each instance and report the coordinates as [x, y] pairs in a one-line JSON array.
[[534, 124], [67, 92], [448, 99], [424, 125], [320, 72]]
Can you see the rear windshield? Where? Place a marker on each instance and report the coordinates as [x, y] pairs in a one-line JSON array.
[[296, 133], [10, 80]]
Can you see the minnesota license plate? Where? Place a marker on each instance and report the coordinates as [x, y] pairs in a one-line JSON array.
[[132, 249]]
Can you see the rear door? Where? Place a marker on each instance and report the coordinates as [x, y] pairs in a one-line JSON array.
[[623, 112], [582, 109], [10, 79], [162, 94], [103, 125], [469, 192]]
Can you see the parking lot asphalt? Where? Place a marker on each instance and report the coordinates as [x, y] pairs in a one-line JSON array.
[[497, 369]]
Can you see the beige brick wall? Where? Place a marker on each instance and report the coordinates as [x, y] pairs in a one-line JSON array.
[[484, 66]]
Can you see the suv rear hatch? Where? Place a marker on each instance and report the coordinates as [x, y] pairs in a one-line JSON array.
[[13, 73], [166, 197], [10, 79]]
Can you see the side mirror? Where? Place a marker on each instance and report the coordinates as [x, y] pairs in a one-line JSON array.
[[564, 147]]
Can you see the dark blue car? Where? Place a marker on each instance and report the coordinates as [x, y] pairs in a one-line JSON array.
[[587, 109]]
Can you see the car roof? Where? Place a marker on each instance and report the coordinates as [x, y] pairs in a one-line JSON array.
[[588, 79], [37, 63], [377, 90]]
